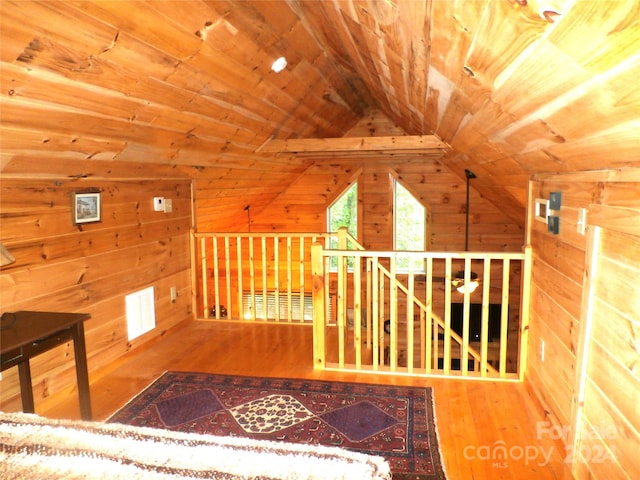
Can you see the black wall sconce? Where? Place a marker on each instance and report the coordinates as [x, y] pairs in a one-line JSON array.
[[553, 221], [553, 224]]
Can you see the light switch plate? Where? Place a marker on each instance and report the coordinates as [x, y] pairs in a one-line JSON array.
[[582, 220], [158, 204], [168, 205]]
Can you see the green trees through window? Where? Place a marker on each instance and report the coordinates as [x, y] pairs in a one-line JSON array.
[[409, 226], [409, 222], [344, 212]]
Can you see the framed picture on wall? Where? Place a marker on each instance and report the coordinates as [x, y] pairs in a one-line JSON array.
[[86, 207]]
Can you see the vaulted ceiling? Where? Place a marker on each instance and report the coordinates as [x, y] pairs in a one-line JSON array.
[[163, 88]]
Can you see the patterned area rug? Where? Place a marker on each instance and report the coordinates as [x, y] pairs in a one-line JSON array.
[[394, 422]]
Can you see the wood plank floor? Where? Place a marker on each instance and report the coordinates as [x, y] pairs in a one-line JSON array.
[[488, 430]]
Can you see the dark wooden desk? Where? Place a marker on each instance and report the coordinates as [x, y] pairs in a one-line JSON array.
[[31, 333]]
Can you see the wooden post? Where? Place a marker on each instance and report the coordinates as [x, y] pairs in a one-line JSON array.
[[342, 238], [504, 316], [265, 303], [393, 314], [447, 318], [484, 335], [430, 328], [252, 280], [216, 275], [342, 306], [410, 305], [374, 314], [369, 303], [464, 350], [301, 273], [276, 274], [227, 267], [357, 310], [239, 278], [525, 301], [318, 287], [289, 278], [205, 288], [194, 274]]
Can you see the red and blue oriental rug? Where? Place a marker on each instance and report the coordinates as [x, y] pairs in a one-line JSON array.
[[394, 422]]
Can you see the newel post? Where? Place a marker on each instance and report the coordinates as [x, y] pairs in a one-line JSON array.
[[318, 299], [342, 238], [525, 302]]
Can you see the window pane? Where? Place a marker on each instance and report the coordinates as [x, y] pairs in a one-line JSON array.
[[344, 213], [409, 226]]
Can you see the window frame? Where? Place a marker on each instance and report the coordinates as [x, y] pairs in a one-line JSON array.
[[425, 238]]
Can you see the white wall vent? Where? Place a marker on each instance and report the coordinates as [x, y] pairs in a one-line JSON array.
[[141, 314]]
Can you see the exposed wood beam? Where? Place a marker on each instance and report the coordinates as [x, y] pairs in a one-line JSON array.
[[358, 146]]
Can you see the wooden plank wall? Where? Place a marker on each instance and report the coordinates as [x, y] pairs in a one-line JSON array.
[[605, 424], [90, 268], [301, 206]]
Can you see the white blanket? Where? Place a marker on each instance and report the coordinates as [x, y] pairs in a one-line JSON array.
[[33, 447]]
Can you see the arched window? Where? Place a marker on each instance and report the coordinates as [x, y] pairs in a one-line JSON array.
[[343, 212], [409, 226]]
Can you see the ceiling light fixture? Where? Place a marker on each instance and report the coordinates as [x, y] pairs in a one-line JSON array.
[[458, 281], [460, 285], [279, 64]]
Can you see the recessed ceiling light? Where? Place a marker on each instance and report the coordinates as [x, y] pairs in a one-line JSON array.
[[279, 64]]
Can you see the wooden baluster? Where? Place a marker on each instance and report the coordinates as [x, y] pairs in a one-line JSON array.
[[393, 314], [410, 306], [428, 337], [265, 300], [447, 318], [227, 266], [205, 288], [464, 350], [239, 270], [301, 263], [252, 280], [342, 310], [276, 275], [525, 301], [357, 310], [484, 333], [504, 317], [318, 286], [374, 314], [216, 276]]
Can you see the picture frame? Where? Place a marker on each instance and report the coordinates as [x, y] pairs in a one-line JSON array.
[[86, 207]]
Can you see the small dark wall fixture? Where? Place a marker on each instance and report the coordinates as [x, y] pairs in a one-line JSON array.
[[555, 202], [553, 225]]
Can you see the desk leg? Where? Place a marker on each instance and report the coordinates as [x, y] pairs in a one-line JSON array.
[[26, 389], [82, 372]]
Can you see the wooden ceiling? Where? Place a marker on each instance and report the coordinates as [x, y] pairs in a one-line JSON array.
[[178, 88]]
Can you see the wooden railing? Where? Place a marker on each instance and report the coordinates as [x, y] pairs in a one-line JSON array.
[[403, 321], [256, 276], [394, 312]]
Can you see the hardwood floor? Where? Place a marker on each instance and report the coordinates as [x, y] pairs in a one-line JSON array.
[[477, 420]]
